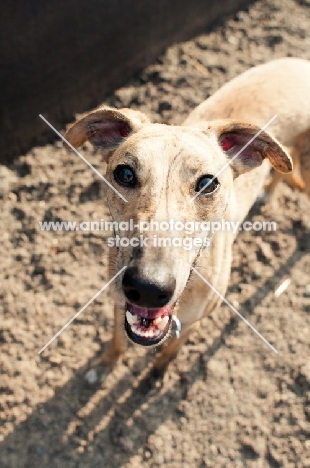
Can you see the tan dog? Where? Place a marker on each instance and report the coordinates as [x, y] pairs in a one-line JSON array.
[[160, 168]]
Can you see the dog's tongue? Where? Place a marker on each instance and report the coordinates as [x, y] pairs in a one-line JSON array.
[[149, 313]]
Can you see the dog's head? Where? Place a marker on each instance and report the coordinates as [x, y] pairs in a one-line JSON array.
[[159, 169]]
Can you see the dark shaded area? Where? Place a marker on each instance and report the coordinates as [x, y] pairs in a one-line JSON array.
[[61, 58]]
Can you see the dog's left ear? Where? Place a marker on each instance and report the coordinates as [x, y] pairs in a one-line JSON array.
[[105, 128], [234, 136]]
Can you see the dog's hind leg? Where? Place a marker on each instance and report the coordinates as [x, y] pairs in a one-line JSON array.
[[305, 160], [294, 179]]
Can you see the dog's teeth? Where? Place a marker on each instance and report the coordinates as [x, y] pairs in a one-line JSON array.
[[163, 323], [131, 319]]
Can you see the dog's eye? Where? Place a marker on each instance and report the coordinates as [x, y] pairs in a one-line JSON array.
[[125, 175], [207, 184]]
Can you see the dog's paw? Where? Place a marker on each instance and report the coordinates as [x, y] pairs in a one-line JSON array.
[[107, 360], [161, 364], [100, 367]]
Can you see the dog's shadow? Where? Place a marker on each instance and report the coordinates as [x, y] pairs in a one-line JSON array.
[[105, 424], [86, 425]]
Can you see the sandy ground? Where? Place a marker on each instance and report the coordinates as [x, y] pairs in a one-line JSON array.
[[227, 400]]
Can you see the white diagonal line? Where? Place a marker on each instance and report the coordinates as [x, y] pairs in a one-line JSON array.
[[83, 158], [83, 308], [235, 310], [236, 155]]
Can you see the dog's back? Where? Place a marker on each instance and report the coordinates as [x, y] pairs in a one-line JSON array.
[[280, 87]]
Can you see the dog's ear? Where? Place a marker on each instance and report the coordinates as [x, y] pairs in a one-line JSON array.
[[105, 128], [235, 137]]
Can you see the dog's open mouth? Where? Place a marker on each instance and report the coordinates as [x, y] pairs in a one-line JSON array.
[[147, 327]]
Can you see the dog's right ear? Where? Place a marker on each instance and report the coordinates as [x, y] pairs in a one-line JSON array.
[[105, 128]]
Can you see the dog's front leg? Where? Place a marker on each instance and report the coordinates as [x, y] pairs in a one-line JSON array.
[[118, 344], [171, 349]]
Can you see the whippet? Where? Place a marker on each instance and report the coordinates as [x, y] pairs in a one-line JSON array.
[[170, 172]]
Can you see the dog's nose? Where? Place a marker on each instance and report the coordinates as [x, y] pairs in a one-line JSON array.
[[145, 292]]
